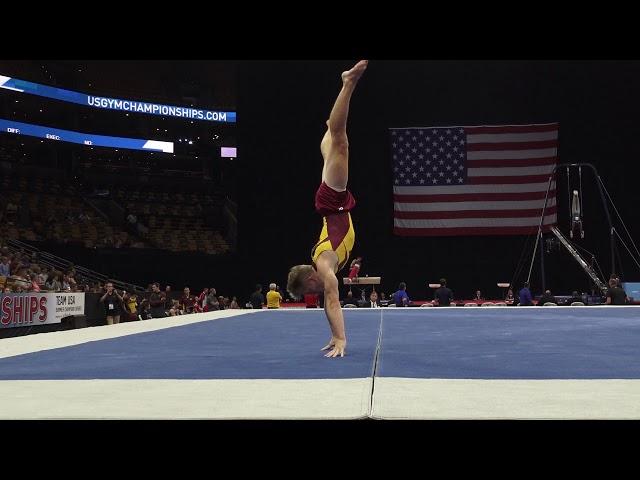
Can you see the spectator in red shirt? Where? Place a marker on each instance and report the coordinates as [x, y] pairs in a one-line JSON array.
[[201, 300], [34, 283], [188, 301]]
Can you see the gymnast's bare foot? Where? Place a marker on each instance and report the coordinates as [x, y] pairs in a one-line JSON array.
[[353, 75]]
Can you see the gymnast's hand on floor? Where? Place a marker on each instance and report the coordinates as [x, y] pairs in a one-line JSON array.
[[338, 347]]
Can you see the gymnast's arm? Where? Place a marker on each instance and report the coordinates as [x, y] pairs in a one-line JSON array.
[[326, 268]]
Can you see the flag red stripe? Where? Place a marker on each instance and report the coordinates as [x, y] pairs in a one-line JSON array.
[[511, 180], [437, 232], [472, 197], [529, 212], [476, 147], [515, 162]]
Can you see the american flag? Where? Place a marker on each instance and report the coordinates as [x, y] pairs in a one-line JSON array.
[[482, 180]]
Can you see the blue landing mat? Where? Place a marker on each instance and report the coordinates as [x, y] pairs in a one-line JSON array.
[[269, 344], [511, 343]]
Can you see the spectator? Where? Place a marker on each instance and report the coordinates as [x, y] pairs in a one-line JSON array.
[[223, 302], [615, 294], [373, 301], [400, 297], [384, 301], [273, 298], [131, 302], [34, 283], [510, 298], [144, 310], [201, 300], [15, 263], [188, 301], [42, 276], [71, 280], [156, 302], [55, 282], [444, 295], [112, 302], [525, 296], [257, 298], [234, 303], [478, 296], [349, 299], [212, 303], [576, 297], [5, 267], [168, 303], [547, 297], [175, 308]]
